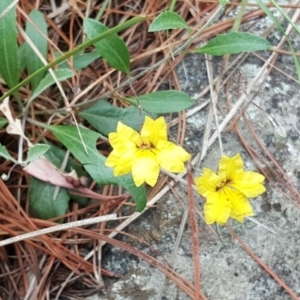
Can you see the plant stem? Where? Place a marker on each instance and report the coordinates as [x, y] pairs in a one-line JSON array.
[[238, 19], [172, 6], [102, 9]]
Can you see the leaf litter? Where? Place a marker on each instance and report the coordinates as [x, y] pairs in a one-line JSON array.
[[57, 257]]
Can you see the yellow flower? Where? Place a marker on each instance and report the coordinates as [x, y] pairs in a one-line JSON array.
[[144, 153], [227, 193]]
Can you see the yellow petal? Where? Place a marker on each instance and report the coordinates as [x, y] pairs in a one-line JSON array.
[[121, 162], [112, 159], [249, 183], [145, 168], [171, 157], [240, 205], [124, 138], [217, 208], [207, 183], [229, 166], [154, 131]]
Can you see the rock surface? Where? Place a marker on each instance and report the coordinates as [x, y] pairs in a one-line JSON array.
[[227, 271]]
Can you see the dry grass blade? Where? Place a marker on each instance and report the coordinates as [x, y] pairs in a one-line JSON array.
[[194, 235], [52, 229]]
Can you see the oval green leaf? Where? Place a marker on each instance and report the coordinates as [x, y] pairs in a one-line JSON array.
[[167, 20], [163, 102], [234, 42], [3, 122], [36, 151], [112, 49], [5, 154], [47, 207], [22, 57], [33, 62], [105, 117], [8, 45], [61, 75], [80, 60]]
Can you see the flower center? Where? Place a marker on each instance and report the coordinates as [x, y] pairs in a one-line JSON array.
[[222, 184], [146, 146]]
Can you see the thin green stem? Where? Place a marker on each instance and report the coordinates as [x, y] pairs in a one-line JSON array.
[[79, 48], [172, 6], [238, 19], [279, 27], [297, 28], [102, 9]]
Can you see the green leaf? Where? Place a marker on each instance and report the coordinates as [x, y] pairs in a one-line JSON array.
[[42, 202], [22, 57], [80, 60], [112, 49], [105, 117], [36, 151], [168, 20], [4, 153], [32, 60], [61, 75], [163, 102], [234, 42], [3, 122], [94, 162], [8, 45]]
